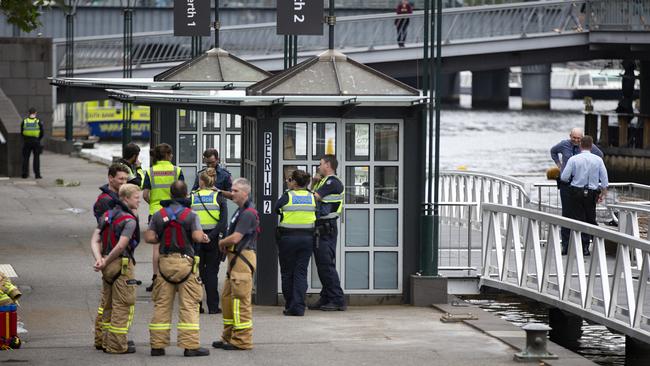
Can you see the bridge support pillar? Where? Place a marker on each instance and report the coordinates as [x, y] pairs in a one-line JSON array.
[[450, 88], [536, 87], [490, 89], [636, 352], [567, 328]]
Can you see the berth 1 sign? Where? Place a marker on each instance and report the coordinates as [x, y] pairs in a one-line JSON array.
[[300, 17], [191, 18]]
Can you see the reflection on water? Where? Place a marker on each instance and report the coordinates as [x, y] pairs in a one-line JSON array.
[[513, 142], [597, 343]]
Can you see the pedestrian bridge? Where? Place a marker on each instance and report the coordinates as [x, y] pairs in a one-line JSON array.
[[473, 38], [494, 230]]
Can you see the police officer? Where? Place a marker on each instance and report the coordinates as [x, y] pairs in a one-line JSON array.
[[588, 179], [297, 210], [329, 190], [156, 187], [223, 181], [117, 176], [113, 244], [131, 162], [240, 246], [210, 205], [31, 129], [175, 228]]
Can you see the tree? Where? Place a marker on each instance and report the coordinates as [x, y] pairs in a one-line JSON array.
[[25, 13]]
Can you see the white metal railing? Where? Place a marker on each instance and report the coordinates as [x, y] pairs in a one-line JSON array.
[[464, 24], [516, 260], [633, 221], [458, 245]]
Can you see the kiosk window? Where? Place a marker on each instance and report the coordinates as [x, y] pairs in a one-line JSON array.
[[357, 185], [386, 142], [211, 142], [385, 228], [357, 142], [356, 270], [356, 228], [233, 143], [189, 173], [295, 141], [211, 122], [385, 268], [187, 148], [386, 185], [234, 122], [323, 139], [186, 120]]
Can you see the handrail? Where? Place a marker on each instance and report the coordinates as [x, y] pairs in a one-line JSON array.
[[515, 260]]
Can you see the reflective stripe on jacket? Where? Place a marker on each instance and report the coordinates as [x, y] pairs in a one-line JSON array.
[[161, 176], [31, 127], [204, 203], [332, 198], [300, 211]]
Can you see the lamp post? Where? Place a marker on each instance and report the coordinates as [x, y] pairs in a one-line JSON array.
[[70, 10], [127, 65]]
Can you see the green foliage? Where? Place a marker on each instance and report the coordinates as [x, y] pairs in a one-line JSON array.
[[25, 13]]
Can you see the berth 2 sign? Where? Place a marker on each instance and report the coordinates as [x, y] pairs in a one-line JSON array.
[[191, 18], [300, 17]]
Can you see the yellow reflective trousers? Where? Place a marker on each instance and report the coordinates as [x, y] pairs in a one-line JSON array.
[[190, 292], [236, 302]]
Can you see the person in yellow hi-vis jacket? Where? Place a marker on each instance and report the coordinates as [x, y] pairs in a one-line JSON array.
[[156, 187], [240, 246], [175, 228], [113, 244], [9, 293]]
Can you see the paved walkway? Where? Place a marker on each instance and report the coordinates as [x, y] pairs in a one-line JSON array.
[[49, 249]]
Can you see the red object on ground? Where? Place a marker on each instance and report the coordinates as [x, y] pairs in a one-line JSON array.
[[8, 323]]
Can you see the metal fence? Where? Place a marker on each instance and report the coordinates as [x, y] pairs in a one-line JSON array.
[[619, 15], [459, 237], [605, 290], [366, 32]]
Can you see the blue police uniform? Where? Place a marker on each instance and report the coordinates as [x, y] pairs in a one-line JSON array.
[[223, 180], [331, 295]]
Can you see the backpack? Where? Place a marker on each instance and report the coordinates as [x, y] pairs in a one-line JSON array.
[[111, 232]]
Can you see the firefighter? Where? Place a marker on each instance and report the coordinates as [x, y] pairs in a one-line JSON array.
[[113, 244], [117, 176], [174, 228], [295, 234], [132, 163], [156, 188], [9, 293], [210, 205], [240, 246]]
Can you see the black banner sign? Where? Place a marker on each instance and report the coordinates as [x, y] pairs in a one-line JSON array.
[[191, 18], [300, 17]]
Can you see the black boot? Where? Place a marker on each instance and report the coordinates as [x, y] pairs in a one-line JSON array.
[[196, 352]]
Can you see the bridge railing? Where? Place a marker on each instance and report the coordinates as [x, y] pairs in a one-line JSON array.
[[619, 15], [365, 32], [633, 221], [611, 293]]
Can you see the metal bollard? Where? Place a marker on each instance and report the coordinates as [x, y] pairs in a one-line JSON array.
[[536, 336]]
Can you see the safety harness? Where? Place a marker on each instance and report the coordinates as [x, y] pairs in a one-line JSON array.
[[241, 248], [173, 227], [110, 234]]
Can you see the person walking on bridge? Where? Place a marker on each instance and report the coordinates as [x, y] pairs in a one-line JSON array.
[[31, 128], [587, 176], [561, 153], [402, 24]]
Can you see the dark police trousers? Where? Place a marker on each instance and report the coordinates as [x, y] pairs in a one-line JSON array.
[[209, 272], [566, 211], [31, 145], [325, 256], [583, 208], [295, 250]]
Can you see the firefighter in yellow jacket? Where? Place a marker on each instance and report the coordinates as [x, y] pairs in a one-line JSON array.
[[113, 244], [240, 246], [9, 293], [175, 228]]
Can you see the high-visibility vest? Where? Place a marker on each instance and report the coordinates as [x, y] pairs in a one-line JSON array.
[[133, 174], [300, 211], [161, 176], [31, 127], [204, 203], [332, 198]]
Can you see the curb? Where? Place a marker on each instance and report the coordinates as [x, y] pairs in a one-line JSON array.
[[95, 158]]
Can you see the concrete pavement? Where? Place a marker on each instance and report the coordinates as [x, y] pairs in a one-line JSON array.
[[49, 248]]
